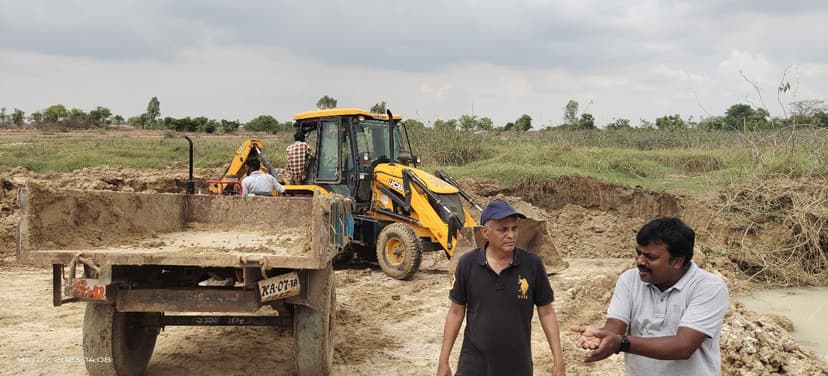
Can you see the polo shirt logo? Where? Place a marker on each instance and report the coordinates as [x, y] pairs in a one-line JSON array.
[[524, 287]]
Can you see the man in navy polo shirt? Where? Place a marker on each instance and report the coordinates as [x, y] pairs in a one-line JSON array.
[[497, 286]]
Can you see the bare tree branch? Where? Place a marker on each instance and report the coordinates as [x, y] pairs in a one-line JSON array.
[[755, 87]]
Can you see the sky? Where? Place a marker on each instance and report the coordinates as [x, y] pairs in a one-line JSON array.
[[427, 59]]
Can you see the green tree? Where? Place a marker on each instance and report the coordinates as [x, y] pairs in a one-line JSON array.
[[586, 121], [670, 122], [620, 123], [744, 117], [153, 112], [100, 116], [711, 123], [261, 123], [17, 117], [210, 126], [485, 124], [467, 122], [78, 118], [118, 119], [326, 102], [523, 123], [3, 116], [36, 117], [55, 113], [821, 119], [139, 121], [646, 124], [378, 108], [571, 113], [228, 126]]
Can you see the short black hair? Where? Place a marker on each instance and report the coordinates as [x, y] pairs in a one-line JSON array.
[[677, 236], [299, 136], [253, 164]]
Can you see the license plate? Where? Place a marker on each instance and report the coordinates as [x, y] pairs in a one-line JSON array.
[[279, 287]]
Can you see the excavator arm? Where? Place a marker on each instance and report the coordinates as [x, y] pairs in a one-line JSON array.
[[230, 182]]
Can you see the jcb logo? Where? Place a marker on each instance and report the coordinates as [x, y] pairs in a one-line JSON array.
[[394, 184]]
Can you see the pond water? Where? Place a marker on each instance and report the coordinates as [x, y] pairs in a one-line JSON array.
[[806, 307]]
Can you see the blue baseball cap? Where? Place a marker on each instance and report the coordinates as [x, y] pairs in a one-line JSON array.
[[497, 210]]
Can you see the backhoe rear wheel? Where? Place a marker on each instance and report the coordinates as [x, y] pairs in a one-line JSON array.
[[399, 251], [118, 343]]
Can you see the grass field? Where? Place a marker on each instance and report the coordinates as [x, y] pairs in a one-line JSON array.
[[690, 162]]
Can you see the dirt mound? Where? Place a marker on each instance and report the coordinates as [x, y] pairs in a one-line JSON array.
[[481, 187]]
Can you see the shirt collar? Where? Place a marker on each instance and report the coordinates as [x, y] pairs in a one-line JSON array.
[[683, 281], [481, 255]]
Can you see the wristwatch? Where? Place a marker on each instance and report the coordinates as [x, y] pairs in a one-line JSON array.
[[625, 344]]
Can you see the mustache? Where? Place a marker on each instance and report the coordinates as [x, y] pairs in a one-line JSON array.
[[643, 269]]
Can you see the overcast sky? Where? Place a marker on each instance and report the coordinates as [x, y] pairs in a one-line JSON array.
[[427, 59]]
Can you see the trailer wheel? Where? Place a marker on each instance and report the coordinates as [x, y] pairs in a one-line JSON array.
[[313, 331], [118, 343], [399, 251]]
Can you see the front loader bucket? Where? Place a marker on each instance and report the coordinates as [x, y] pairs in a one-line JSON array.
[[468, 240], [533, 236]]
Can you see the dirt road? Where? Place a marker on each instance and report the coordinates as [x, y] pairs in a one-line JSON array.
[[384, 326]]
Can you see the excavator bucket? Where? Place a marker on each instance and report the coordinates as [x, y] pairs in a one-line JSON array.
[[533, 236]]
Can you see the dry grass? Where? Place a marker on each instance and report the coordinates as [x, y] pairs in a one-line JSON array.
[[784, 230]]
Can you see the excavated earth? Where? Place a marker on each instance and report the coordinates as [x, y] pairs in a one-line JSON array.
[[391, 327]]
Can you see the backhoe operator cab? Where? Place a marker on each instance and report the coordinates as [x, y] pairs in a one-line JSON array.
[[349, 143], [399, 210]]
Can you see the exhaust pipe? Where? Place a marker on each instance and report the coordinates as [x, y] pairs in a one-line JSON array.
[[190, 183], [390, 136]]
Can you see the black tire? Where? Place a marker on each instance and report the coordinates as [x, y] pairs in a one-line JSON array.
[[118, 343], [399, 251], [313, 331]]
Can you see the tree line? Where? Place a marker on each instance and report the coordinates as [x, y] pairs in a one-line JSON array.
[[737, 117]]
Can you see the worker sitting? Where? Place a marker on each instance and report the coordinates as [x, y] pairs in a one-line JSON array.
[[258, 183], [298, 154]]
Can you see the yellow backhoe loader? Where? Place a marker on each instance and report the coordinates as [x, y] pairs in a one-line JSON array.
[[399, 211]]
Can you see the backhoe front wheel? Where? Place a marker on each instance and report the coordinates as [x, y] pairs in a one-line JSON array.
[[399, 251], [118, 343]]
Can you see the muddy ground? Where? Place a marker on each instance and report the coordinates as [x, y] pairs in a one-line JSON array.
[[392, 327]]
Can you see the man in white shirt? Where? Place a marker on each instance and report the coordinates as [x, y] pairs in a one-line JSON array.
[[666, 315], [258, 183]]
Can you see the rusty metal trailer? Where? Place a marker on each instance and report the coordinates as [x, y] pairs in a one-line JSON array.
[[143, 261]]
